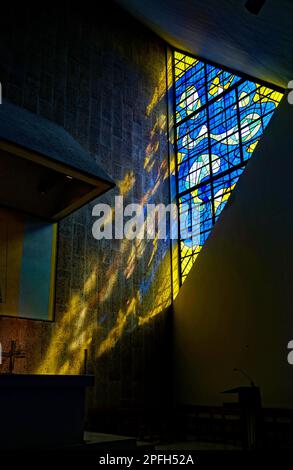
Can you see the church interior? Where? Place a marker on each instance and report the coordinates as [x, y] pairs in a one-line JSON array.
[[117, 340]]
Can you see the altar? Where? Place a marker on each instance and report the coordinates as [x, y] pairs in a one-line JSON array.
[[42, 411]]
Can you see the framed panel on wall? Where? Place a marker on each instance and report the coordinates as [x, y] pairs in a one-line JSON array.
[[27, 265]]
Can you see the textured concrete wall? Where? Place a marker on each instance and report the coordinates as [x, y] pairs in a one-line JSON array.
[[101, 76]]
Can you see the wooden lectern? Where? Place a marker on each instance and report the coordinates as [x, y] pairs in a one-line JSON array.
[[251, 415]]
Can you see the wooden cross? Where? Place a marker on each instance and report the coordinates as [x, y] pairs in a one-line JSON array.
[[12, 355]]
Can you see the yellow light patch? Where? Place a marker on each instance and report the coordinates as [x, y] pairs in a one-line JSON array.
[[264, 94], [183, 63], [126, 184], [251, 147], [214, 88]]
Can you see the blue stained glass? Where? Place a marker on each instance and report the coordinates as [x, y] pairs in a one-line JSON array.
[[220, 118]]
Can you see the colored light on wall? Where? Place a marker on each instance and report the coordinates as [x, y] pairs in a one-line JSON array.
[[219, 119]]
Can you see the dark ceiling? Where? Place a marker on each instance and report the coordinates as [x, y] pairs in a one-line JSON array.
[[224, 31]]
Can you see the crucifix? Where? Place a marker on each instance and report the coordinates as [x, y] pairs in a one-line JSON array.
[[12, 355]]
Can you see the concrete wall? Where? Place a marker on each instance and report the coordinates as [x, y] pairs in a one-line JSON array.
[[236, 306], [102, 76]]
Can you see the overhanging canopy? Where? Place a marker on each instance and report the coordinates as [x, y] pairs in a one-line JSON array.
[[44, 171]]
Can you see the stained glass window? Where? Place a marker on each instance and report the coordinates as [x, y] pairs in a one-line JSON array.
[[219, 120]]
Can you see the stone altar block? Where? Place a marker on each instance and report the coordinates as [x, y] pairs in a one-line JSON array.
[[42, 410]]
